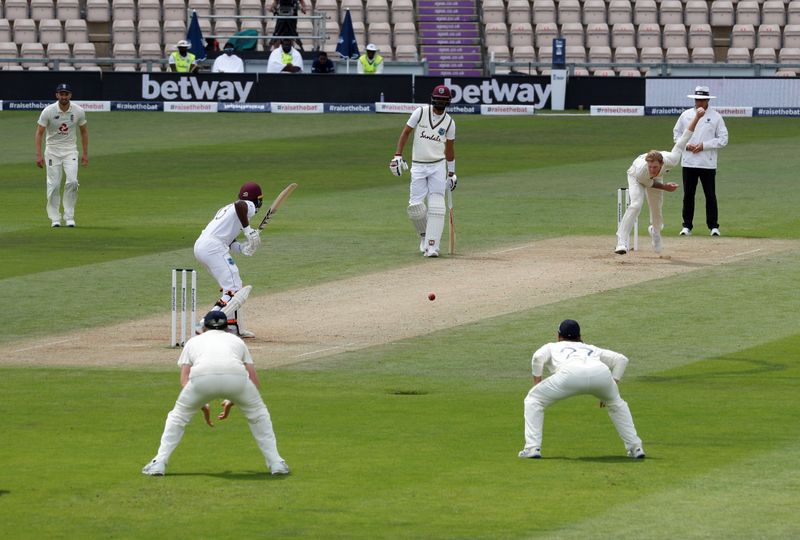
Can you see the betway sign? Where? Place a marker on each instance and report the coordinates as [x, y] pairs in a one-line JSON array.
[[494, 91], [193, 89]]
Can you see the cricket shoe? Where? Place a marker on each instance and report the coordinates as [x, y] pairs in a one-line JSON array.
[[279, 468], [686, 232], [155, 468], [430, 252], [714, 232], [621, 249], [55, 225], [655, 239], [636, 453], [70, 223], [534, 453], [246, 334], [422, 244]]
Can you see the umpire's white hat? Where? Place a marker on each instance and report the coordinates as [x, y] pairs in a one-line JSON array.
[[701, 92]]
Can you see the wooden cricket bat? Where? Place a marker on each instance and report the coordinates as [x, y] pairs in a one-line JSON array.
[[273, 208], [452, 222]]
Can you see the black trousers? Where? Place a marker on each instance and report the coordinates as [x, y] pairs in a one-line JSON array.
[[707, 177]]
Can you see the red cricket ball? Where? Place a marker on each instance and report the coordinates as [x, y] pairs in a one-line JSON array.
[[431, 297]]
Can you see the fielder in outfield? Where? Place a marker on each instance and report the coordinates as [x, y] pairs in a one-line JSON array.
[[646, 178], [214, 246], [217, 364], [61, 121], [433, 167], [577, 368]]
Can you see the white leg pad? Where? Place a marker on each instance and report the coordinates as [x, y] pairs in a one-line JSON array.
[[436, 212], [418, 215], [237, 301]]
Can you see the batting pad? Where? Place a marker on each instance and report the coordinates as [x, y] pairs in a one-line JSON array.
[[436, 211], [417, 213]]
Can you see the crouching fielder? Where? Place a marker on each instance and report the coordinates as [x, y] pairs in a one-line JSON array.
[[577, 368], [433, 167], [217, 364]]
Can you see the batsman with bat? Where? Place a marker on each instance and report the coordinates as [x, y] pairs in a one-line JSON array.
[[433, 168]]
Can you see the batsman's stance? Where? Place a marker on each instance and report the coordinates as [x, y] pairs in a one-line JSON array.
[[434, 143], [214, 246]]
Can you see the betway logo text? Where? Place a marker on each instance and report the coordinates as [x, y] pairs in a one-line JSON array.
[[192, 89], [491, 91]]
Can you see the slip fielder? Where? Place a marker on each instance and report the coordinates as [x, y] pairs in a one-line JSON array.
[[433, 167]]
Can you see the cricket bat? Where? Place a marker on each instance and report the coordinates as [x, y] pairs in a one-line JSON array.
[[273, 208], [452, 222]]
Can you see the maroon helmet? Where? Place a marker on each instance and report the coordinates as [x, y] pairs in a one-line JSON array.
[[440, 97], [251, 191]]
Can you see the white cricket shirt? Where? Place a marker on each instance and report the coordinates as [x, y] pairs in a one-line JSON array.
[[430, 133], [225, 226], [710, 130], [61, 128], [215, 352], [557, 355], [671, 159]]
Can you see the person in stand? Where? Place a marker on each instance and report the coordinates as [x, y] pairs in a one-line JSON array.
[[60, 122], [228, 62], [370, 63], [433, 167], [217, 364], [577, 368], [286, 24], [646, 178], [181, 60], [285, 59], [322, 64], [699, 161]]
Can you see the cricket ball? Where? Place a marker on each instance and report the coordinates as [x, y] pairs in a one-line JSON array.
[[431, 297]]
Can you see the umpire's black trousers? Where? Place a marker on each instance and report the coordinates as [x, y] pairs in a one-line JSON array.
[[707, 178]]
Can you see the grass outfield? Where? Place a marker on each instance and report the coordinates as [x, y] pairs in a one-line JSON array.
[[418, 438]]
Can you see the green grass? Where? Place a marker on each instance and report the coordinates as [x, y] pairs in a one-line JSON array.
[[413, 439]]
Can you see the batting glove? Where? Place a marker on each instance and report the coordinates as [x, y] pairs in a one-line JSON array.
[[398, 165], [253, 237], [452, 181], [248, 249]]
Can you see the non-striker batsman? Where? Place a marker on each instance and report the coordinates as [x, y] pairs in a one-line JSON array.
[[433, 167]]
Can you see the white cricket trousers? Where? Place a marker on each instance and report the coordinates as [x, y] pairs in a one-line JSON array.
[[577, 378], [216, 257], [428, 181], [203, 388], [56, 164], [655, 200]]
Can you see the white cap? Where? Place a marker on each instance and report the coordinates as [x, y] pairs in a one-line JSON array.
[[701, 92], [184, 43], [372, 47]]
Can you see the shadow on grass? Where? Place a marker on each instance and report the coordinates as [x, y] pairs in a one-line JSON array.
[[4, 492], [228, 475], [597, 459]]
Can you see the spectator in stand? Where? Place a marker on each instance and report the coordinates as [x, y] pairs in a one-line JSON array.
[[285, 59], [181, 60], [228, 62], [287, 28], [370, 62], [322, 64]]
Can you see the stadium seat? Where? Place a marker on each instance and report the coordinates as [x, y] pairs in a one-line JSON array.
[[97, 11], [700, 35], [722, 13], [151, 51], [645, 12], [5, 31], [75, 31], [652, 57], [123, 31], [594, 12], [738, 55], [544, 33], [8, 49], [202, 7], [332, 29], [67, 9], [255, 8], [623, 35], [773, 12], [599, 58], [793, 12], [605, 73], [402, 11], [597, 35], [648, 35], [16, 9], [406, 34], [524, 53], [569, 11], [224, 8], [671, 12], [379, 32], [174, 10], [174, 31], [769, 35], [496, 34], [520, 34], [789, 55], [493, 11], [406, 53], [32, 50], [743, 36], [518, 11], [356, 9], [674, 36], [791, 36], [544, 11], [748, 12], [619, 12], [60, 52], [677, 55], [360, 31], [703, 55], [764, 55], [545, 54], [575, 54], [42, 9], [629, 72], [123, 10], [626, 55], [148, 31], [84, 51], [24, 31], [498, 53], [580, 72], [50, 31], [228, 27], [695, 12], [785, 73], [377, 11], [573, 33], [148, 10]]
